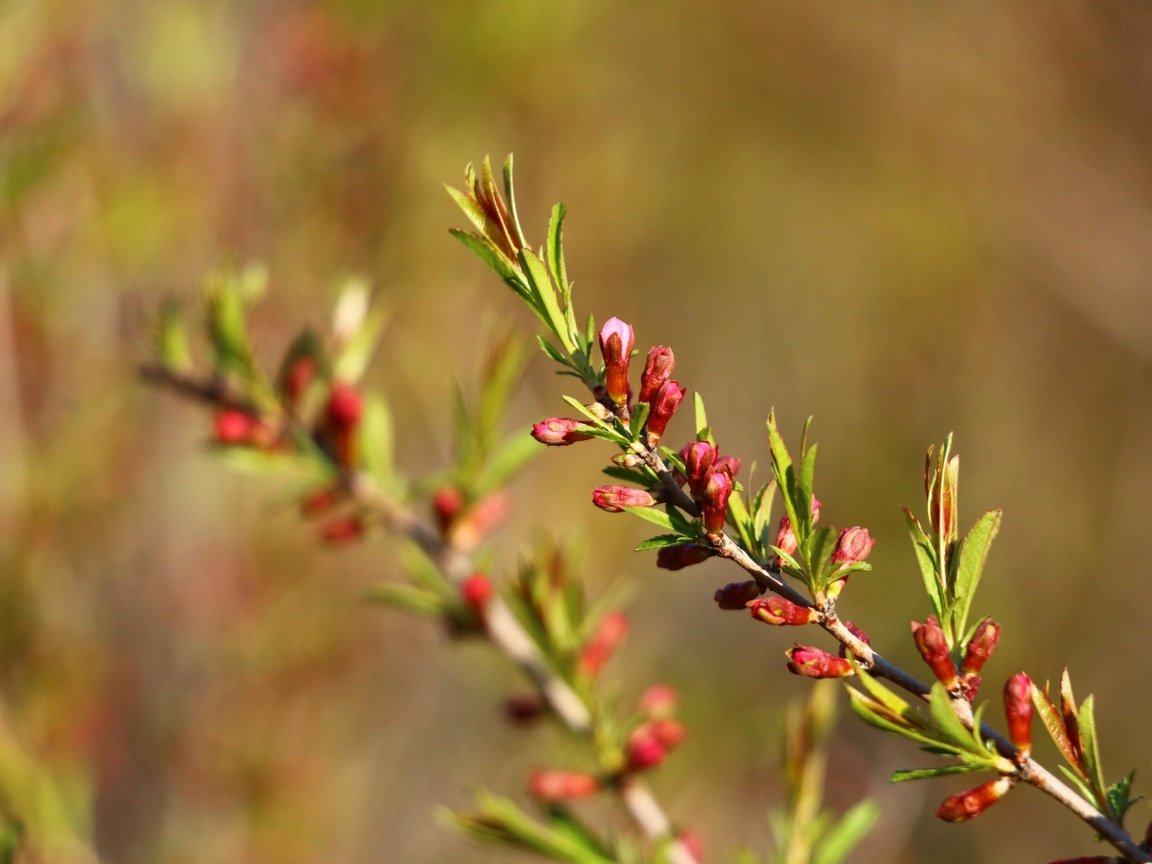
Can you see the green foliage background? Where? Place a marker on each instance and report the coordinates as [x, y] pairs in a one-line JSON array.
[[902, 218]]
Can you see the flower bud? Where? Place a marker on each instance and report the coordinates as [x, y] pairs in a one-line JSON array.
[[657, 369], [698, 458], [1018, 709], [476, 591], [548, 785], [558, 432], [233, 426], [480, 520], [785, 538], [342, 530], [524, 708], [980, 646], [664, 404], [778, 610], [730, 465], [598, 650], [447, 503], [737, 595], [616, 342], [658, 701], [815, 663], [854, 545], [614, 499], [320, 501], [297, 377], [965, 805], [345, 405], [679, 557], [933, 647], [714, 501], [651, 742]]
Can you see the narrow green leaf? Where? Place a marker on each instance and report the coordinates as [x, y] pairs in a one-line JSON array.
[[556, 259], [506, 461], [973, 554], [510, 196], [651, 514], [842, 837], [703, 432], [641, 476], [805, 478], [1077, 780], [638, 419], [1054, 723], [496, 261], [350, 363], [471, 208], [926, 559], [937, 771], [409, 598], [549, 308], [376, 442], [661, 541], [552, 351], [1090, 748], [172, 338], [592, 418], [743, 522], [947, 723]]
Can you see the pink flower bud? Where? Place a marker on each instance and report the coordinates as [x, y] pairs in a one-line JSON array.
[[785, 538], [553, 786], [657, 369], [616, 343], [658, 701], [730, 465], [980, 646], [965, 805], [664, 404], [476, 590], [679, 557], [714, 501], [558, 432], [933, 647], [1018, 709], [853, 546], [233, 426], [698, 458], [615, 499], [598, 650], [737, 595], [778, 610], [650, 743], [447, 503], [814, 663]]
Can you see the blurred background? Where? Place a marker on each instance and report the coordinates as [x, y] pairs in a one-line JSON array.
[[904, 220]]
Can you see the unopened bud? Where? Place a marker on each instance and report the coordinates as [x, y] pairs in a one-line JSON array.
[[658, 701], [615, 499], [447, 503], [524, 708], [664, 404], [780, 611], [342, 530], [965, 805], [558, 432], [476, 591], [730, 465], [933, 647], [610, 632], [815, 663], [737, 595], [345, 405], [616, 343], [1018, 709], [650, 743], [657, 369], [980, 646], [233, 427], [552, 786], [698, 458], [684, 555], [854, 545], [480, 520], [714, 501], [627, 460]]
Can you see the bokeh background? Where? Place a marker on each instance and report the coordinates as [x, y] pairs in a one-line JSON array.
[[901, 218]]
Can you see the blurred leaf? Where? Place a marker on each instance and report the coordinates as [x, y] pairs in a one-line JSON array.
[[289, 466], [938, 771], [660, 541], [843, 836], [352, 360], [1119, 796], [376, 442], [11, 839], [409, 598], [172, 338]]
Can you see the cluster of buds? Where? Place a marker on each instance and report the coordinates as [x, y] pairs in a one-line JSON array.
[[658, 732], [933, 647], [554, 785], [658, 391], [711, 479]]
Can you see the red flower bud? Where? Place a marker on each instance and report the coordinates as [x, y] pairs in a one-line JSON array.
[[342, 530], [698, 458], [616, 342], [679, 557], [714, 501], [730, 465], [664, 404], [854, 545], [980, 646], [778, 610], [933, 647], [814, 663], [737, 595], [786, 537], [447, 503], [235, 427], [657, 369], [546, 785], [650, 743], [476, 590], [965, 805], [598, 650], [320, 501], [614, 499], [658, 701], [558, 432], [1018, 709], [297, 377], [345, 405]]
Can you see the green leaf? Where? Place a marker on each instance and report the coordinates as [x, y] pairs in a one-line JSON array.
[[1054, 723], [376, 441], [409, 598], [703, 432], [946, 722], [1090, 749], [351, 362], [653, 515], [553, 352], [638, 419], [1119, 796], [510, 196], [595, 421], [507, 460], [661, 541], [11, 839], [556, 262], [937, 771], [172, 338], [973, 554], [805, 492], [926, 558], [548, 307], [842, 837], [496, 261], [471, 208]]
